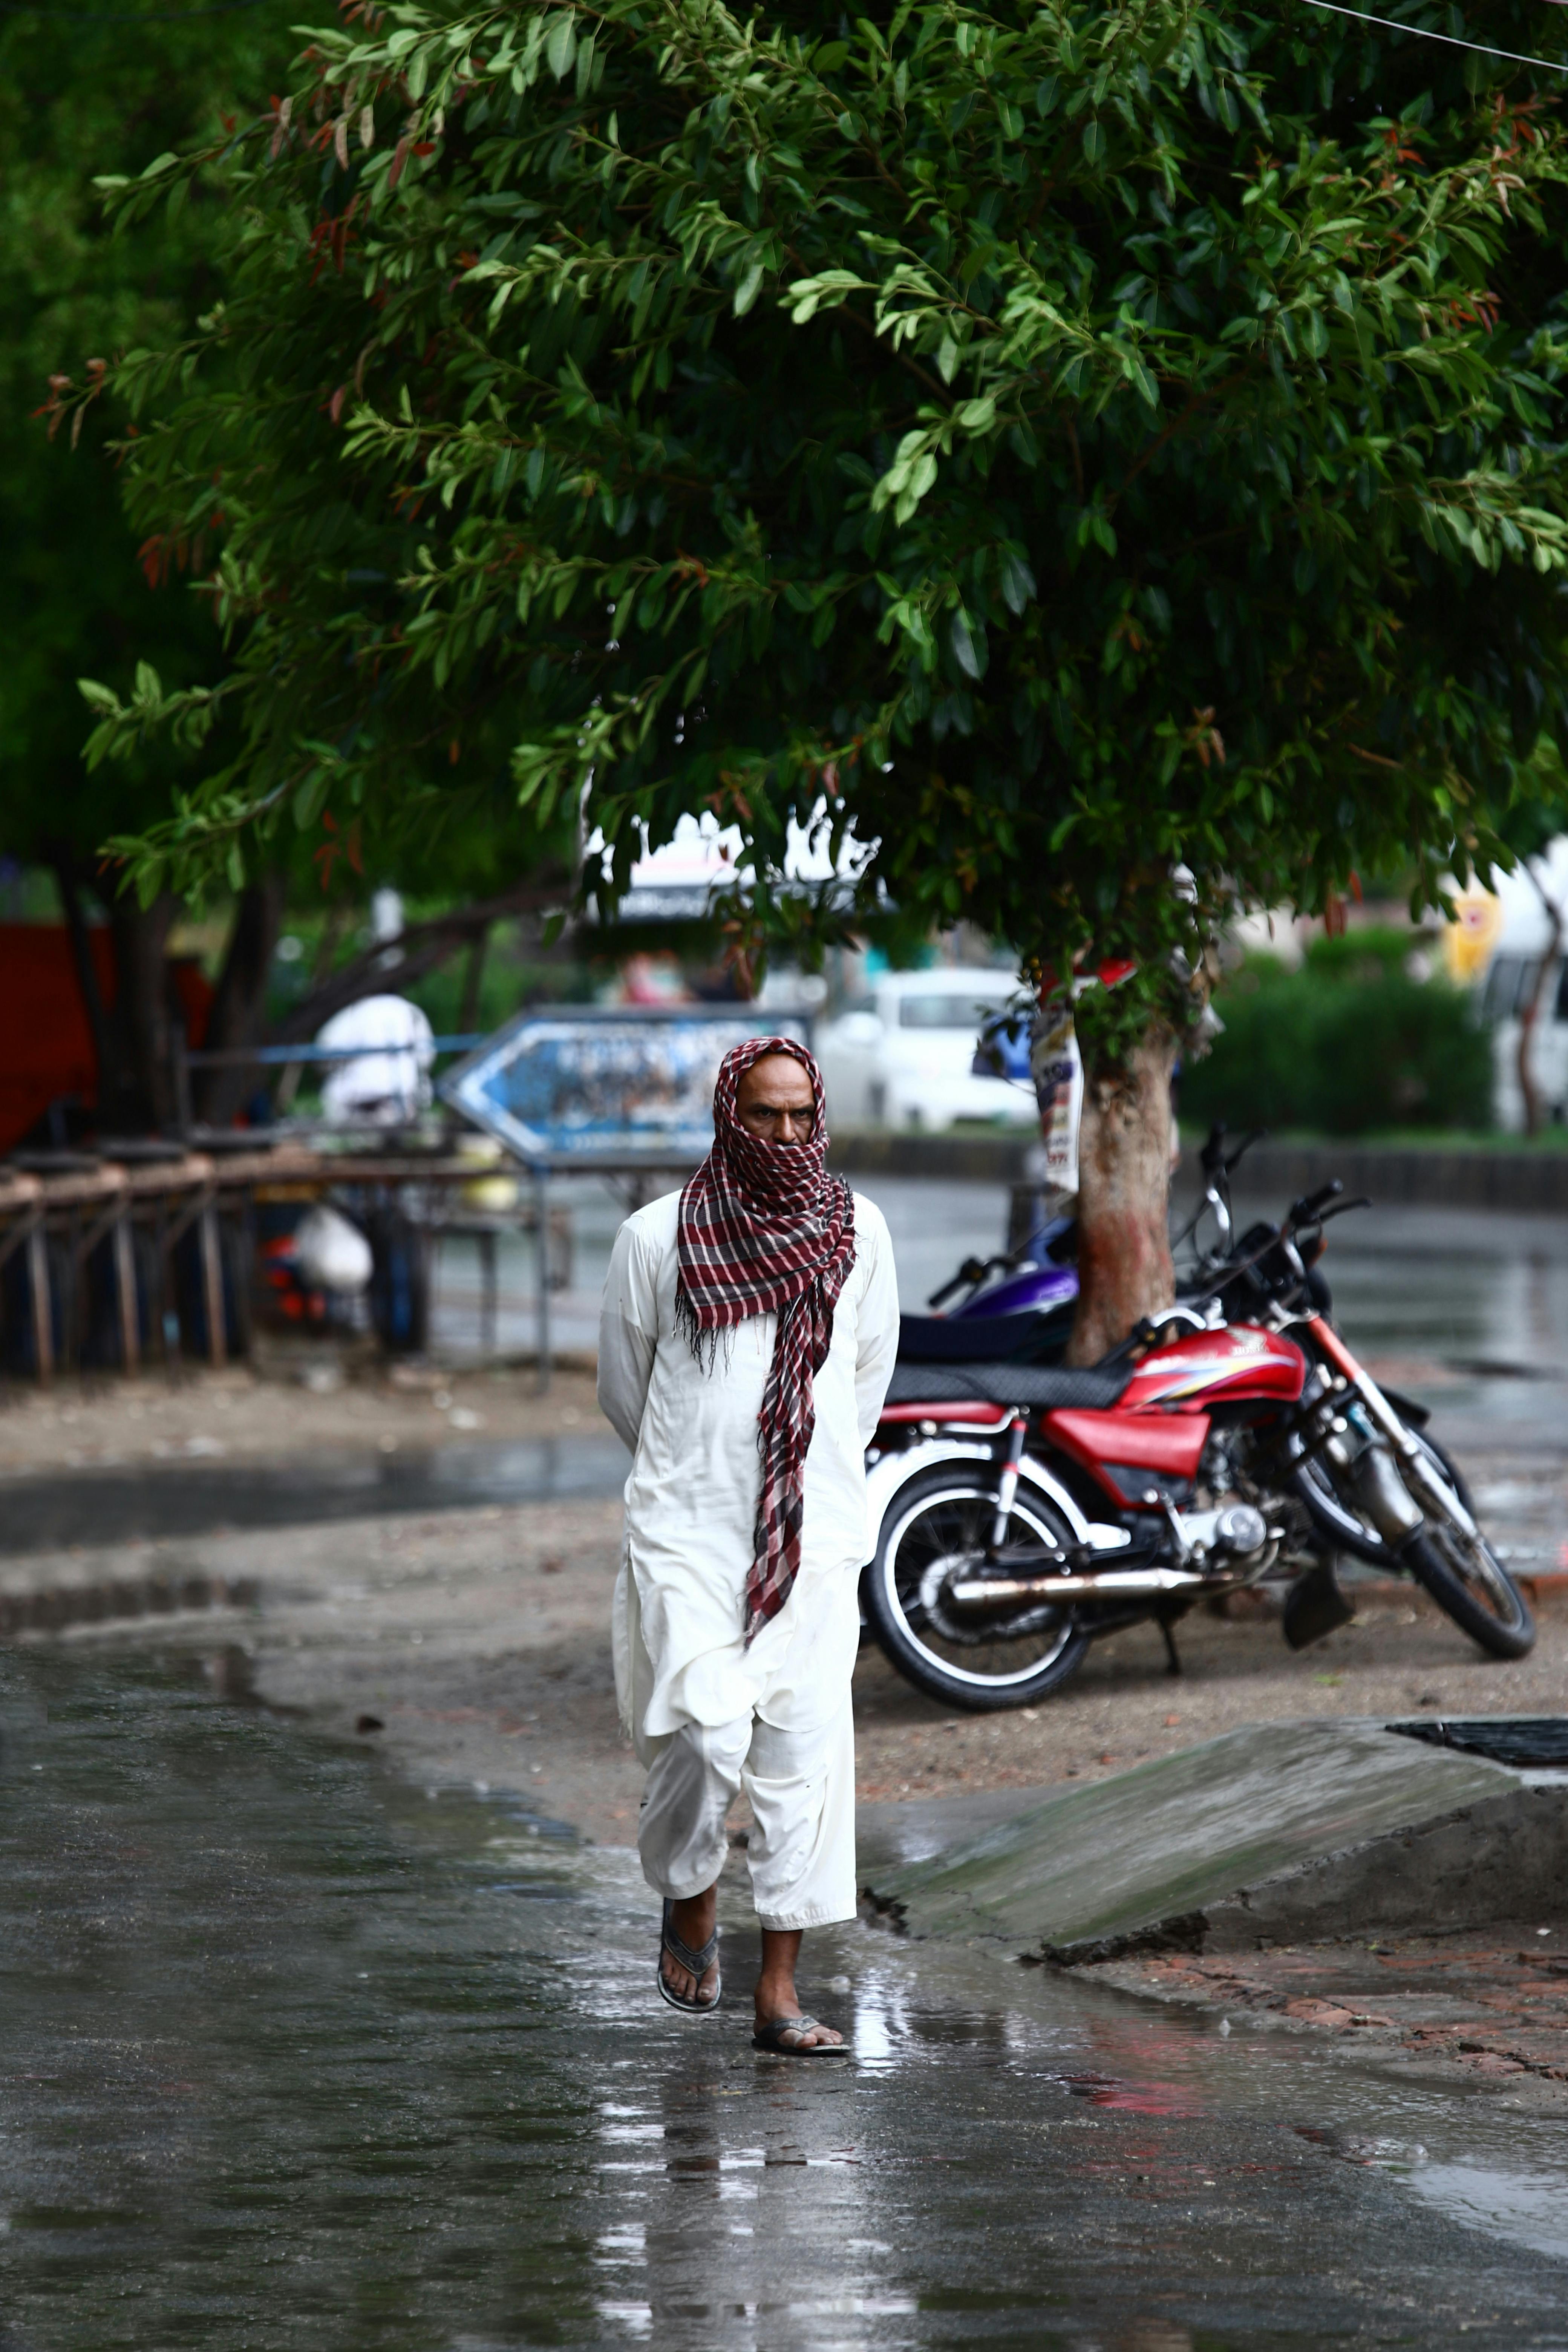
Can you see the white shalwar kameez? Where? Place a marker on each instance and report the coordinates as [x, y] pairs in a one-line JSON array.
[[709, 1716]]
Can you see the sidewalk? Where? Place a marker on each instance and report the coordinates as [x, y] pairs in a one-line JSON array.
[[1490, 2007]]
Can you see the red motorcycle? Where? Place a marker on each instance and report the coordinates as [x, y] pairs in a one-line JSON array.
[[1023, 1509]]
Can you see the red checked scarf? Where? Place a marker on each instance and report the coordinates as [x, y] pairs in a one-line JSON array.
[[763, 1229]]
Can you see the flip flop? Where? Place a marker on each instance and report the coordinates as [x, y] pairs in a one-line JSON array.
[[769, 2037], [698, 1963]]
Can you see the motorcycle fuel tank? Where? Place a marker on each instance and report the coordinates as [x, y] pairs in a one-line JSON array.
[[1133, 1457], [1230, 1366], [1034, 1287]]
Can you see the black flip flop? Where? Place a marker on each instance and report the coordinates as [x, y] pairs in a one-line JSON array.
[[698, 1963], [767, 2037]]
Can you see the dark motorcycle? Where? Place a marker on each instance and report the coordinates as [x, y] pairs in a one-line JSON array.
[[1025, 1509]]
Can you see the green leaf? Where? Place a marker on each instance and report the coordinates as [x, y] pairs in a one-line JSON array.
[[310, 798], [965, 650], [1017, 581], [561, 47], [1093, 144]]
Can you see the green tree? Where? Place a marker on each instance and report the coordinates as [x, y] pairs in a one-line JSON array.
[[1106, 455], [84, 591], [77, 592]]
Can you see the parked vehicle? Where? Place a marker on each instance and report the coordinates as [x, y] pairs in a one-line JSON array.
[[902, 1057], [1024, 1509]]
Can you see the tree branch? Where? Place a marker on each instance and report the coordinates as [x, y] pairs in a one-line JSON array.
[[397, 963]]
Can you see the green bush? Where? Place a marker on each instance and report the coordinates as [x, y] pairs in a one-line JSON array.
[[1350, 1042]]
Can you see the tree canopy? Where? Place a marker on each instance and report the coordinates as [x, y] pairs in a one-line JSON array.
[[101, 93], [1108, 456]]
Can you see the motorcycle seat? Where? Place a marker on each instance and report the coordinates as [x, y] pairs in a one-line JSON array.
[[1023, 1337], [1043, 1388]]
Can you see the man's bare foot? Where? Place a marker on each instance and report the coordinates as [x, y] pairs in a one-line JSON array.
[[776, 1999], [692, 1921]]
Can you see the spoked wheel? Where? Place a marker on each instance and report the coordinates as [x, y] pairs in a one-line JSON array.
[[937, 1528], [1464, 1575]]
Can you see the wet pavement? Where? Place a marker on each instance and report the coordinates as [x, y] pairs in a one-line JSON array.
[[296, 2056]]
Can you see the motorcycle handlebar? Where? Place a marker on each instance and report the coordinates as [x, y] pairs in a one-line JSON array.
[[1246, 1144], [973, 1271], [1304, 1211], [1314, 1209], [1215, 1160]]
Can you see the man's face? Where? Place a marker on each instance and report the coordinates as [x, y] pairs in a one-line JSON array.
[[773, 1100]]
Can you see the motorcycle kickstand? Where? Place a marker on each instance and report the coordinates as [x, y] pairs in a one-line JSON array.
[[1173, 1656]]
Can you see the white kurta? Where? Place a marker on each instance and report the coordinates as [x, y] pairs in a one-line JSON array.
[[691, 1497]]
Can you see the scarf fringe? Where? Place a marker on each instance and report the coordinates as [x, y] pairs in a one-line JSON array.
[[706, 1341]]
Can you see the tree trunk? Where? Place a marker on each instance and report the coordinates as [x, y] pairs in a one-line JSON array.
[[473, 982], [417, 951], [85, 970], [136, 1091], [239, 1004], [1531, 1013], [1124, 1268]]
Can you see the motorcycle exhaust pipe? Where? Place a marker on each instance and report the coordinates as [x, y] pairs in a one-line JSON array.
[[1098, 1584]]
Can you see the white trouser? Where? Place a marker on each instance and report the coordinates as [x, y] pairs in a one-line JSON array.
[[801, 1787]]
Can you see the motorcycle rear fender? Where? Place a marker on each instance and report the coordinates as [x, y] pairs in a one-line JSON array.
[[885, 1478]]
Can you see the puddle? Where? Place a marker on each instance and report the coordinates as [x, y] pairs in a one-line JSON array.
[[125, 1506], [1501, 2199], [293, 2057]]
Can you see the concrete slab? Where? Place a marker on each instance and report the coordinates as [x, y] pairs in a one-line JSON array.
[[1274, 1833]]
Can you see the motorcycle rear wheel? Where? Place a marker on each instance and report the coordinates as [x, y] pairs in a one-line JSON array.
[[940, 1521], [1464, 1576]]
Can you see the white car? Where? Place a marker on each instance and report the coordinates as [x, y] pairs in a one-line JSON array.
[[901, 1058]]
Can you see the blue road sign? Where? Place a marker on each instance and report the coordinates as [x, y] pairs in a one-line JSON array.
[[567, 1090]]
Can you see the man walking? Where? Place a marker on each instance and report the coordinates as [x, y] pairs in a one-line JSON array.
[[748, 1335]]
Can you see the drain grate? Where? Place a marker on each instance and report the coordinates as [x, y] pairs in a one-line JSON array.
[[1535, 1742]]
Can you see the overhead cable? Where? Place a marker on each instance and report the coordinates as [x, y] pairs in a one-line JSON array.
[[1420, 33]]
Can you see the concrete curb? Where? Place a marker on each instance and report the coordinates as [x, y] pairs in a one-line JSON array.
[[1274, 1833], [1423, 1176], [961, 1159], [1396, 1175]]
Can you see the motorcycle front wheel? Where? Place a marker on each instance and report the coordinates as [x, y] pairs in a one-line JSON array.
[[1465, 1577], [1461, 1573], [939, 1526]]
